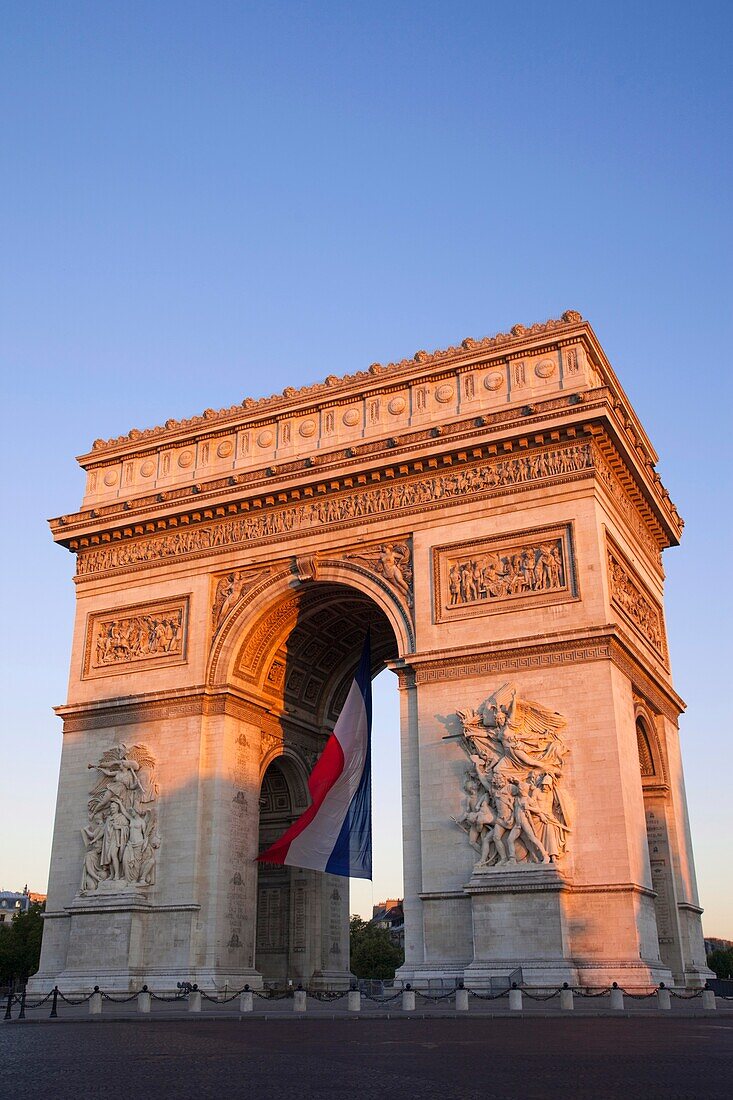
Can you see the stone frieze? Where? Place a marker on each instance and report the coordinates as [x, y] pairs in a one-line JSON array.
[[395, 497]]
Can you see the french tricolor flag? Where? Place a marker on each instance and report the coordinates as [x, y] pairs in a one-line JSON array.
[[335, 832]]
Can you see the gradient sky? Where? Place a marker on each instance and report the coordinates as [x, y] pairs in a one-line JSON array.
[[207, 201]]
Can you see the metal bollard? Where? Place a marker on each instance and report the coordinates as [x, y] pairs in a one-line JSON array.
[[194, 999], [567, 1000], [95, 1002], [143, 1000], [708, 1000], [299, 1004], [353, 1002], [664, 1001], [54, 1003], [461, 999], [21, 1014], [515, 998], [617, 998], [408, 999], [245, 1000]]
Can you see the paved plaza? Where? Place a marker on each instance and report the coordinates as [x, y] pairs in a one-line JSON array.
[[473, 1058]]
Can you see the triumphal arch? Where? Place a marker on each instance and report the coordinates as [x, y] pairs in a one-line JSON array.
[[493, 512]]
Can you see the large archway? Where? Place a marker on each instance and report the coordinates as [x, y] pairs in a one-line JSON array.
[[295, 660]]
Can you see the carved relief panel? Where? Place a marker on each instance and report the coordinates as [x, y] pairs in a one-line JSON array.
[[631, 597], [128, 639], [495, 574]]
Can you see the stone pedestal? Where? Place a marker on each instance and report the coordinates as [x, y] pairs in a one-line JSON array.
[[519, 922], [524, 918]]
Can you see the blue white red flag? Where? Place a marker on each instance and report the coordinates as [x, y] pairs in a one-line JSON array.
[[335, 832]]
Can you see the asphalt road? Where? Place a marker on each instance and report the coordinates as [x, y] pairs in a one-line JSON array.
[[420, 1059]]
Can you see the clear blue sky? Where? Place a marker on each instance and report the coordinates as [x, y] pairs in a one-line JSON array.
[[204, 201]]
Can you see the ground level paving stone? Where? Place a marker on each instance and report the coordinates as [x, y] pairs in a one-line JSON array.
[[364, 1058]]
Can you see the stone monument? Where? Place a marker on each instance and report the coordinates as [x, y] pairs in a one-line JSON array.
[[494, 512]]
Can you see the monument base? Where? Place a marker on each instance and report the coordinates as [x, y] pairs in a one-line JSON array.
[[523, 931], [121, 942]]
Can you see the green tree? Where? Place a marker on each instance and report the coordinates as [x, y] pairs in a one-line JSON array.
[[20, 945], [721, 962], [373, 954]]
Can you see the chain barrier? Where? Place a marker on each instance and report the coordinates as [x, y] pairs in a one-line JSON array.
[[80, 1000], [382, 1000], [327, 995], [35, 1004], [324, 996], [438, 997], [219, 1000]]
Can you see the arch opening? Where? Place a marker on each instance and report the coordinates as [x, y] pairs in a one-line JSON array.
[[297, 662]]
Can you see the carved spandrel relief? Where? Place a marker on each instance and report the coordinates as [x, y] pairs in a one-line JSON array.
[[485, 574], [230, 590], [515, 810], [122, 838], [118, 641], [399, 496], [391, 560], [628, 593]]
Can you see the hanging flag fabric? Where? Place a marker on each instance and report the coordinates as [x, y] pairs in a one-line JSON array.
[[335, 832]]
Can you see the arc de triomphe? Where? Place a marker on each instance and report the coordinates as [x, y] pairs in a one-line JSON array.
[[494, 512]]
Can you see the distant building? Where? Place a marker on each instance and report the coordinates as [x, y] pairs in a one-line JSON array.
[[390, 915], [12, 903]]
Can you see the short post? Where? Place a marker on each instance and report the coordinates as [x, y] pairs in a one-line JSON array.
[[54, 1003], [9, 1007], [299, 1004], [143, 1000], [245, 1000], [617, 998], [95, 1002], [567, 1001], [194, 999], [515, 998], [461, 998], [664, 1001], [708, 1000], [21, 1014], [353, 1001], [408, 999]]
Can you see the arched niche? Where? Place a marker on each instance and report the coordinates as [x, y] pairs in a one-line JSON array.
[[652, 766]]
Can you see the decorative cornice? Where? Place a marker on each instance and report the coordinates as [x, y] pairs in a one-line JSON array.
[[335, 386], [526, 655], [163, 706], [348, 460], [403, 489]]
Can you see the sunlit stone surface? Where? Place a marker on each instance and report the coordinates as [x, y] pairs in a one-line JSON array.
[[494, 513]]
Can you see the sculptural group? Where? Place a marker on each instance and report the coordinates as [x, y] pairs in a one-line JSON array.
[[122, 838], [515, 810]]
